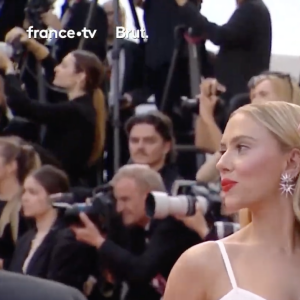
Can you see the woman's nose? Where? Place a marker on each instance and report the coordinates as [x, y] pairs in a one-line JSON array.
[[24, 197], [224, 163]]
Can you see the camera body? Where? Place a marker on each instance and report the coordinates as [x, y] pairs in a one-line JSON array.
[[100, 208], [13, 50], [191, 106], [33, 11]]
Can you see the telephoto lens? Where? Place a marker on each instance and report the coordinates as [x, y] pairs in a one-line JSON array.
[[224, 229], [160, 205]]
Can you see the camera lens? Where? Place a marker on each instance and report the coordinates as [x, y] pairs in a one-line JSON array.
[[150, 206]]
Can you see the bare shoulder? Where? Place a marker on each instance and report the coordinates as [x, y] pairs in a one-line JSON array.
[[199, 255], [193, 273]]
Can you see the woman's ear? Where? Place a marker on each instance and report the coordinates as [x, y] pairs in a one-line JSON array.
[[293, 163], [81, 79]]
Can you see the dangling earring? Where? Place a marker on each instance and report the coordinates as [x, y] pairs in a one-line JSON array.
[[287, 185]]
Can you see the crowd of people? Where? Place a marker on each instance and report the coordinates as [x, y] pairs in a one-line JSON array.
[[72, 227]]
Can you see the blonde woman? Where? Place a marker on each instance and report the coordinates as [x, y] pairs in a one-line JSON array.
[[274, 86], [16, 162], [268, 86], [259, 168]]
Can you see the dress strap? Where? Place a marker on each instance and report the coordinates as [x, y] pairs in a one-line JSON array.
[[227, 264]]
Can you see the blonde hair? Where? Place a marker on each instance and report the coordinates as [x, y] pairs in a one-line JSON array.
[[146, 177], [284, 86], [282, 120], [288, 90], [122, 11], [14, 149]]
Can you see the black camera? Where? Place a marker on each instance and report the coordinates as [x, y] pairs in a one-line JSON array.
[[196, 196], [14, 50], [193, 105], [99, 209], [33, 11]]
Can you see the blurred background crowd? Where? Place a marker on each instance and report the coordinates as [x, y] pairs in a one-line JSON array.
[[126, 131]]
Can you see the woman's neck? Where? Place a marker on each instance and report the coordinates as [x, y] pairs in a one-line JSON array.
[[274, 223], [46, 221], [73, 94], [9, 187]]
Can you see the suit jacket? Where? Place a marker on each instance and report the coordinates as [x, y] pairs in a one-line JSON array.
[[19, 287], [77, 22], [245, 42], [7, 244], [59, 257], [71, 142], [141, 264], [134, 66]]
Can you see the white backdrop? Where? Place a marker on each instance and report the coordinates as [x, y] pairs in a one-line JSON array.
[[285, 21]]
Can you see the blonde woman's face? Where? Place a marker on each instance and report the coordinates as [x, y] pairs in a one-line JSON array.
[[263, 92], [252, 160]]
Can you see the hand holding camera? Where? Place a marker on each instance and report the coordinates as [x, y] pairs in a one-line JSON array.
[[88, 232], [90, 221], [196, 223], [17, 33], [209, 97]]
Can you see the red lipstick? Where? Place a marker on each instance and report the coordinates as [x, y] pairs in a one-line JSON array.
[[227, 184]]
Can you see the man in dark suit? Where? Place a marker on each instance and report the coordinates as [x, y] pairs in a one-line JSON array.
[[153, 246], [20, 287], [245, 42]]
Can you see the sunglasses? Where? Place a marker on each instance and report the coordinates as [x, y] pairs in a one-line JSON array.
[[265, 75]]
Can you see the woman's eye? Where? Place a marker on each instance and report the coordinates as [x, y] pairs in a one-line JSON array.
[[241, 147]]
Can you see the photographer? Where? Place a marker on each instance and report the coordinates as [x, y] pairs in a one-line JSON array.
[[208, 133], [245, 42], [146, 263], [267, 86], [75, 130]]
